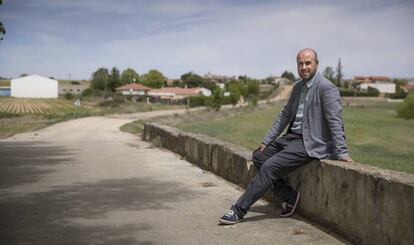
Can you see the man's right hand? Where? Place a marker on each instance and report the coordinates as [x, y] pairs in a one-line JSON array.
[[261, 147]]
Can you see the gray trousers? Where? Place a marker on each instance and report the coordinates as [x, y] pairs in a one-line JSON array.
[[278, 159]]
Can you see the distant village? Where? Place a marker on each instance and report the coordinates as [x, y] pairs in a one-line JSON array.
[[36, 86]]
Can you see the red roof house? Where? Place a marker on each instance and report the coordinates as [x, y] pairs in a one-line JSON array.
[[133, 89]]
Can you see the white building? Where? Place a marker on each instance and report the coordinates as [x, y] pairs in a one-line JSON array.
[[34, 86], [178, 93], [383, 88]]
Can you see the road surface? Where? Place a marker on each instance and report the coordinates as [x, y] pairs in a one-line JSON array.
[[85, 182]]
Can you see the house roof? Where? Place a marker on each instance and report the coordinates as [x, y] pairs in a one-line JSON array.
[[134, 86], [408, 86], [176, 90], [33, 77], [372, 78]]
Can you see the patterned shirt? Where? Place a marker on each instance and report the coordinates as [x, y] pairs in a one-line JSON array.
[[296, 127]]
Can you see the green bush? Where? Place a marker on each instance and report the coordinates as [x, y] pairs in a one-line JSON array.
[[69, 96], [195, 101], [401, 94], [406, 108], [373, 92], [86, 92], [215, 100], [113, 102]]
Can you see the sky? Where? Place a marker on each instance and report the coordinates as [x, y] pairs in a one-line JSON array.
[[72, 39]]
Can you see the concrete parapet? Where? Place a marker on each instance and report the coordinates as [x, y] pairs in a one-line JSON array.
[[364, 204]]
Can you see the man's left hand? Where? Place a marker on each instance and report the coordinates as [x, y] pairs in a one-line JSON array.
[[346, 159]]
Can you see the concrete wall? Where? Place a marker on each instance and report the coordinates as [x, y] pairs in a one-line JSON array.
[[364, 204]]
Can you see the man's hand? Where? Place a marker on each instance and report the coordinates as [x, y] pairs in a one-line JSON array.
[[261, 147], [345, 159]]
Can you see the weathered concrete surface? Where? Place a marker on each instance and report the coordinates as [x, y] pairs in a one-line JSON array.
[[365, 204], [85, 182]]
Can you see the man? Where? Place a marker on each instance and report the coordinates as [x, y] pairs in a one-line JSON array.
[[315, 131]]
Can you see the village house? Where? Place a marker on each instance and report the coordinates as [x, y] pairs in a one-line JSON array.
[[382, 83], [176, 93], [409, 86], [133, 89]]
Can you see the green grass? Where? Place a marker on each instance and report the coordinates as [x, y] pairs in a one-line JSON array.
[[375, 135], [134, 127]]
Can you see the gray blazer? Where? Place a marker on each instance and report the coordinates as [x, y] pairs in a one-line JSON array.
[[322, 128]]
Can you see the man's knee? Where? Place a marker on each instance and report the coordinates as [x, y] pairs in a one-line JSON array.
[[257, 159]]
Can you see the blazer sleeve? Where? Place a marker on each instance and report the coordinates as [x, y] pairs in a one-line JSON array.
[[332, 110], [280, 122]]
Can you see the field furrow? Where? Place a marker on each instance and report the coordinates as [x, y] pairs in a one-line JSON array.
[[34, 106]]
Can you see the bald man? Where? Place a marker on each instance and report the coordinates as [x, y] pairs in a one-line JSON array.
[[315, 130]]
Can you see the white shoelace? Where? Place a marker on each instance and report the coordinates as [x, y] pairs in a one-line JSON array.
[[229, 213]]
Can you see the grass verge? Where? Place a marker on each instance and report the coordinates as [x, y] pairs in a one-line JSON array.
[[375, 135], [135, 127]]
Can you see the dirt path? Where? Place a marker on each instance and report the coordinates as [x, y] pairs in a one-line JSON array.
[[85, 182]]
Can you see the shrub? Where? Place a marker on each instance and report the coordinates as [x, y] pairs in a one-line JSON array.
[[406, 108], [112, 102], [373, 92], [86, 92], [215, 100], [401, 94], [195, 101], [69, 96]]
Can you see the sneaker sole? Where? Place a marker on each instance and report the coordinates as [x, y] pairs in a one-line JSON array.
[[294, 207], [227, 222]]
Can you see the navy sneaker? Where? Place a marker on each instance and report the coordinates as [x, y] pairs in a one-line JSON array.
[[230, 218], [288, 208]]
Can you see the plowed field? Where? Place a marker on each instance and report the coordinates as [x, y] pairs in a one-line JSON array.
[[34, 106]]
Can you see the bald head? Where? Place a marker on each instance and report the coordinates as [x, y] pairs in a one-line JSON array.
[[308, 51], [307, 61]]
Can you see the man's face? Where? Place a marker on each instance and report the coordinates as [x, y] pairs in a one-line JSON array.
[[307, 64]]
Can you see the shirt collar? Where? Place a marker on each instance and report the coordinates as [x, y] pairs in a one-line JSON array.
[[309, 83]]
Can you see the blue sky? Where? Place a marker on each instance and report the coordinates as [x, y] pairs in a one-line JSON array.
[[256, 38]]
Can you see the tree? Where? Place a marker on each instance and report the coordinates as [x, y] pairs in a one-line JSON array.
[[339, 73], [252, 91], [406, 109], [153, 79], [129, 75], [399, 92], [329, 74], [192, 80], [289, 75], [100, 79], [2, 29], [214, 101], [114, 79], [209, 85]]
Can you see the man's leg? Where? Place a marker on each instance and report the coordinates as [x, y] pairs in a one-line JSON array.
[[290, 158], [280, 187]]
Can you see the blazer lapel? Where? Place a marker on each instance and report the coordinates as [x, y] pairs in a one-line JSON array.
[[296, 97], [311, 93]]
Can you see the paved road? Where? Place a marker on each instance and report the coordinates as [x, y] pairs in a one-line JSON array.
[[85, 182]]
